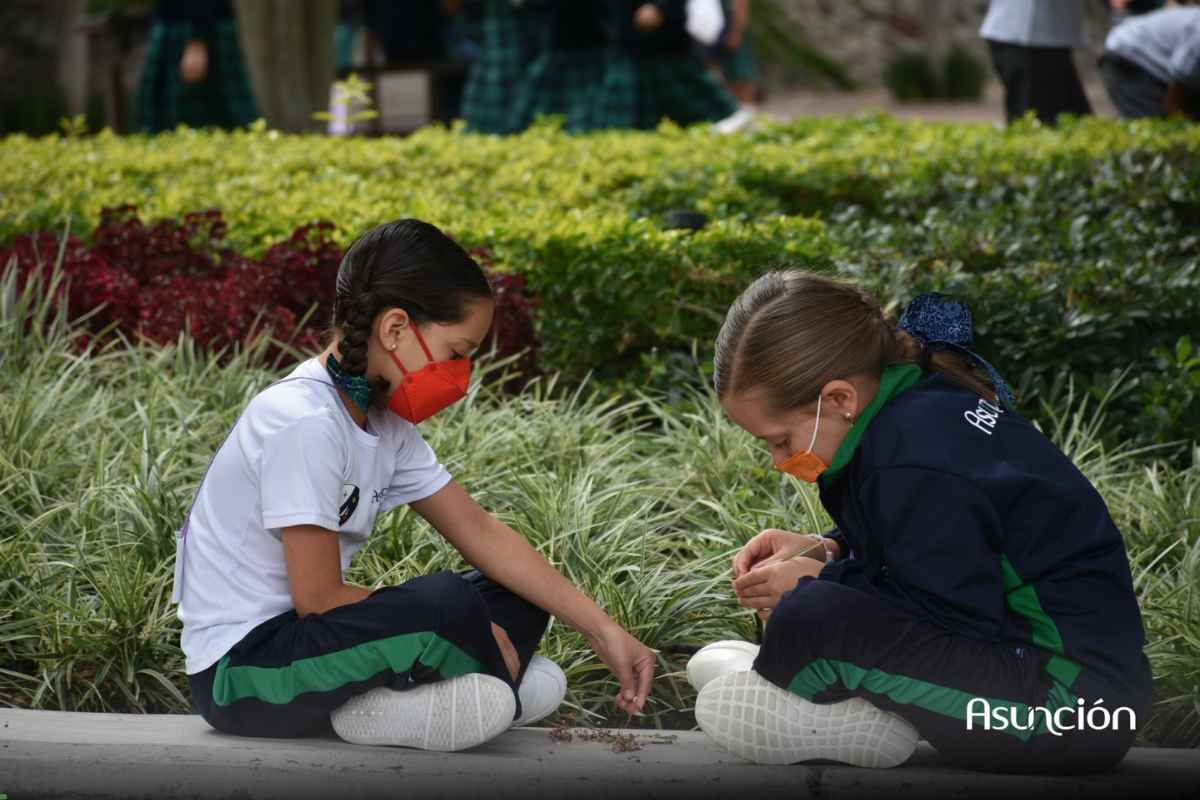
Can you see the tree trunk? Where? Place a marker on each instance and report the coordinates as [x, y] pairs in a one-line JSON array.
[[288, 46], [73, 56], [935, 20]]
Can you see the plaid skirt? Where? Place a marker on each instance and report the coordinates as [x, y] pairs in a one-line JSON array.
[[224, 99], [510, 38], [586, 87], [679, 88]]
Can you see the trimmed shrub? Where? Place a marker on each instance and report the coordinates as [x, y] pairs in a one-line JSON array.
[[159, 281], [1075, 246]]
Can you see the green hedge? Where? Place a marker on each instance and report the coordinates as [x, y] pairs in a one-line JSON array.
[[1076, 247]]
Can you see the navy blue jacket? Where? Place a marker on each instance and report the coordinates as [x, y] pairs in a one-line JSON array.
[[970, 517]]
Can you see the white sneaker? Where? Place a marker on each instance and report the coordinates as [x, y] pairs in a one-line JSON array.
[[448, 715], [737, 121], [753, 718], [720, 658], [542, 690]]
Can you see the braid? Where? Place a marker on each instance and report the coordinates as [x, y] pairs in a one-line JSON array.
[[355, 308], [356, 327]]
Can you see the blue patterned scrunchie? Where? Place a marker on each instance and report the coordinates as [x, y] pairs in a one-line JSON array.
[[941, 323], [357, 386]]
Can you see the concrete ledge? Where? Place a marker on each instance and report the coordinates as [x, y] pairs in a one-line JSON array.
[[51, 754]]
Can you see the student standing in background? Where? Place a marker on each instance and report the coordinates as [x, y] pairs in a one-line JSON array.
[[1030, 42]]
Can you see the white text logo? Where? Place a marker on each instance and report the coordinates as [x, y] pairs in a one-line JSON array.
[[1066, 718]]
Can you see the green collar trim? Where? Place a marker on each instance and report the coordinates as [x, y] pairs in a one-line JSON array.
[[895, 380]]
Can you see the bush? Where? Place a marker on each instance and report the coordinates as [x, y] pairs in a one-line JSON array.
[[159, 281], [963, 77], [1075, 246], [910, 76]]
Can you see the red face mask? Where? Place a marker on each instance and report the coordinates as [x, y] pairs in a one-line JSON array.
[[433, 387]]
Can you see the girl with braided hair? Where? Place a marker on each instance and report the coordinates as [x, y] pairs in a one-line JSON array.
[[975, 591], [277, 643]]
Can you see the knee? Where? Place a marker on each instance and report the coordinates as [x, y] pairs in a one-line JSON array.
[[440, 596], [812, 604], [451, 597]]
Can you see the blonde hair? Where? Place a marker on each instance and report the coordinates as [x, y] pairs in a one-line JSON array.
[[791, 332]]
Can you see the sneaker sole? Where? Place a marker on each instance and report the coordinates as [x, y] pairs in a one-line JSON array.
[[448, 715], [760, 722]]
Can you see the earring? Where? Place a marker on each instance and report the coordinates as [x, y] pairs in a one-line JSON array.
[[849, 417]]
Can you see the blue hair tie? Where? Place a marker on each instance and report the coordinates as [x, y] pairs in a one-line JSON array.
[[942, 323], [357, 386]]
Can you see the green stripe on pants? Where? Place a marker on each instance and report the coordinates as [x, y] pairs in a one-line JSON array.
[[330, 671], [955, 703]]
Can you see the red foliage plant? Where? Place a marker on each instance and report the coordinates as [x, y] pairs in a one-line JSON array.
[[156, 281]]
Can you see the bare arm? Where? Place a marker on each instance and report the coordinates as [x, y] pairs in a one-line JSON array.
[[314, 569], [507, 558]]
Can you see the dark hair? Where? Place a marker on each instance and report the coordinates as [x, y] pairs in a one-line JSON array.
[[792, 332], [406, 264]]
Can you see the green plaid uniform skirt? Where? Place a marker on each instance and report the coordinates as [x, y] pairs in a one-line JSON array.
[[585, 86], [224, 99], [594, 89], [510, 40], [679, 88]]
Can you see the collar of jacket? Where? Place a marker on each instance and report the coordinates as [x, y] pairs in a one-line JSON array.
[[895, 380]]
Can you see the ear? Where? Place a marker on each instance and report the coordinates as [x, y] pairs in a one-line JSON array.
[[392, 326], [842, 397]]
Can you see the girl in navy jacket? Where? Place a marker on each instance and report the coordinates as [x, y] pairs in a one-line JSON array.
[[975, 593]]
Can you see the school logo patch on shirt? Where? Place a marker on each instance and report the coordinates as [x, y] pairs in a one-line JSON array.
[[349, 503]]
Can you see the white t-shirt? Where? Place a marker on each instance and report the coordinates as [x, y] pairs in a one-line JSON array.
[[295, 457]]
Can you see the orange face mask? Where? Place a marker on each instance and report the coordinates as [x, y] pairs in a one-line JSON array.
[[805, 465]]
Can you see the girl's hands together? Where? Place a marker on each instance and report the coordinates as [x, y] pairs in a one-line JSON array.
[[631, 661], [762, 586], [774, 545]]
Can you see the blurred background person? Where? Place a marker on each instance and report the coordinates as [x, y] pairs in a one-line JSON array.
[[1151, 64], [672, 81], [509, 37], [1121, 9], [733, 55], [567, 76], [1030, 43], [194, 72]]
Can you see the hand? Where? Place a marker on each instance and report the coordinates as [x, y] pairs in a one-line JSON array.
[[511, 659], [1118, 5], [761, 587], [648, 17], [776, 545], [194, 64], [631, 661]]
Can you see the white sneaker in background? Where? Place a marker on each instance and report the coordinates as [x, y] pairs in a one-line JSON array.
[[737, 121], [753, 718], [448, 715], [542, 689], [719, 658]]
